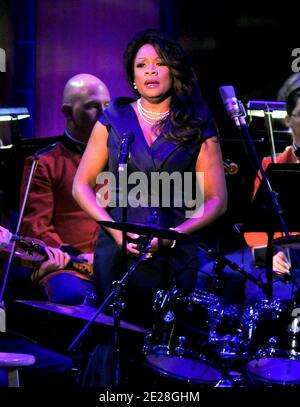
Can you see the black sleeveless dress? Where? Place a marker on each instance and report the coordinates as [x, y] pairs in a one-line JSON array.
[[171, 267]]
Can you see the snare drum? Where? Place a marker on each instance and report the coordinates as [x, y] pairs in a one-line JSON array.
[[272, 342], [178, 345]]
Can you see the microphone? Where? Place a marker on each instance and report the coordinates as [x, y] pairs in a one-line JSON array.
[[124, 150], [232, 106]]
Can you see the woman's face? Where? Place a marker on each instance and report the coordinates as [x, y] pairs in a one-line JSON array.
[[293, 122], [152, 77]]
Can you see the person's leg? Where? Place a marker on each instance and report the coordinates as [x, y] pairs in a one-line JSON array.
[[66, 288], [21, 287]]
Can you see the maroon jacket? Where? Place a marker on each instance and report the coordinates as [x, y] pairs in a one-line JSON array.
[[51, 213]]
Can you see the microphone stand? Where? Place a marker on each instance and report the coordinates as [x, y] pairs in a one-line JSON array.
[[117, 292], [118, 286], [237, 112], [224, 261]]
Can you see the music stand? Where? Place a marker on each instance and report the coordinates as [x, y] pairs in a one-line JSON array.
[[262, 216], [284, 179]]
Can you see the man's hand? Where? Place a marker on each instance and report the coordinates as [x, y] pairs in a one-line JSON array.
[[5, 237], [57, 260], [281, 264], [89, 257]]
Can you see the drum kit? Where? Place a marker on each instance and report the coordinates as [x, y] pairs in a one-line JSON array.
[[197, 339]]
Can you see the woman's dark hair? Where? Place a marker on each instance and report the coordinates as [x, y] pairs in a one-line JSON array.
[[188, 111], [292, 100]]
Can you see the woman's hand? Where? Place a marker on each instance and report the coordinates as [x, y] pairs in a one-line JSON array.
[[133, 248], [159, 244]]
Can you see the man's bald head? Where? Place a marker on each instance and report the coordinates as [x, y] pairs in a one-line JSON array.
[[85, 97], [83, 83]]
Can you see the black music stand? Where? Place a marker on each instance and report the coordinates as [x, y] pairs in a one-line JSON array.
[[262, 217], [284, 179]]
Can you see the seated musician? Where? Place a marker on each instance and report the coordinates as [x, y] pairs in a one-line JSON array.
[[51, 213], [50, 368], [257, 241]]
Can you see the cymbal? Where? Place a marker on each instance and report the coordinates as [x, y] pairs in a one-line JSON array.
[[145, 230], [84, 312], [288, 242]]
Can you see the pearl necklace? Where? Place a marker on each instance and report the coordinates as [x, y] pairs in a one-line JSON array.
[[148, 116]]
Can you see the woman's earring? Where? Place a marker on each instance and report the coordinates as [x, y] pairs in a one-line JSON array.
[[134, 86]]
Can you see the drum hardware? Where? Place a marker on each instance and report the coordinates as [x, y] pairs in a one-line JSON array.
[[225, 339], [181, 349], [272, 343], [218, 271], [227, 357], [161, 298]]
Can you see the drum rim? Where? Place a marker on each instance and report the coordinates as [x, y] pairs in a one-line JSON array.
[[260, 378], [185, 378], [276, 354]]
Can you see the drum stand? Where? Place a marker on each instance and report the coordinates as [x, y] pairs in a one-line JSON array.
[[228, 358], [218, 271], [227, 347]]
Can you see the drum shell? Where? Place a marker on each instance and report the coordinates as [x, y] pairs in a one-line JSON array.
[[178, 345]]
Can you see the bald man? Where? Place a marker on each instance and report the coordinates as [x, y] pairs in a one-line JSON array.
[[51, 213]]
